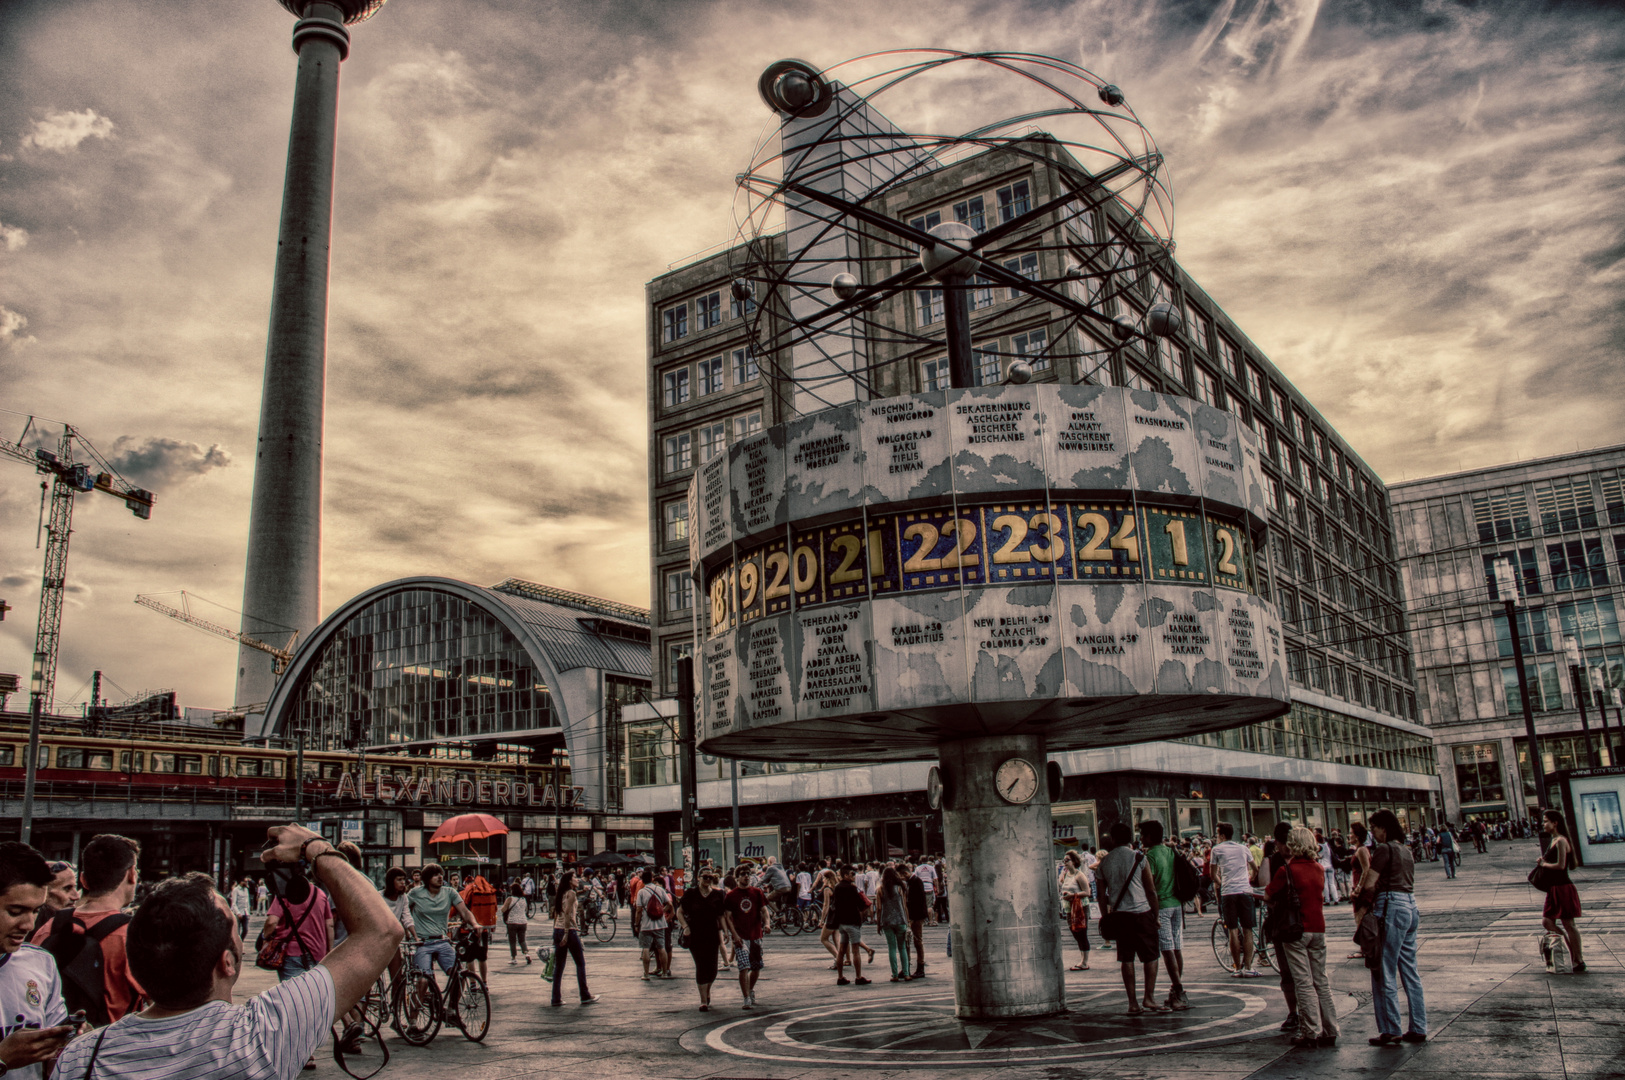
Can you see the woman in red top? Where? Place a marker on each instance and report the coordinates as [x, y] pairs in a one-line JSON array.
[[1562, 899], [1306, 957]]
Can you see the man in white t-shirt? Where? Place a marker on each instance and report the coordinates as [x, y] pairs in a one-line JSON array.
[[651, 914], [803, 887], [1232, 867], [32, 1015], [185, 951], [928, 877]]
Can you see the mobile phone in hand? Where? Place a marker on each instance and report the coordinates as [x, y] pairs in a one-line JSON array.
[[75, 1019]]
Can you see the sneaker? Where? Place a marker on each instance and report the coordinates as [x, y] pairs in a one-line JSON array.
[[1290, 1023], [590, 1000], [647, 976], [753, 997], [861, 981], [1237, 973], [746, 1004], [1414, 1037], [1252, 973], [843, 981]]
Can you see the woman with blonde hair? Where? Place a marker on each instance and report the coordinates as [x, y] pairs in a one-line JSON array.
[[1306, 956]]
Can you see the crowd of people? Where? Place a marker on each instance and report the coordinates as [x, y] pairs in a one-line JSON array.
[[101, 977]]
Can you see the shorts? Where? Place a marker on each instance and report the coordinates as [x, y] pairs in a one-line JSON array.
[[748, 957], [1238, 911], [652, 939], [430, 953], [853, 934], [1171, 929], [1138, 939], [1562, 902]]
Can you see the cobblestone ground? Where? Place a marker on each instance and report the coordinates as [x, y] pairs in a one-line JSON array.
[[1493, 1009]]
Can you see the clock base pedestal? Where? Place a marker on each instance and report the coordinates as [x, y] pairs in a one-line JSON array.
[[1002, 894]]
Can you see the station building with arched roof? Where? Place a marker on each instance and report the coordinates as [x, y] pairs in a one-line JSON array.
[[495, 688]]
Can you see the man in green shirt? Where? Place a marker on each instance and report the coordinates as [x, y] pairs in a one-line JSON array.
[[431, 904], [1170, 912]]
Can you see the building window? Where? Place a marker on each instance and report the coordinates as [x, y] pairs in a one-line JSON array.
[[1566, 505], [1272, 492], [981, 295], [1532, 635], [1014, 200], [1025, 265], [710, 381], [927, 222], [1255, 386], [745, 369], [1577, 564], [1171, 358], [676, 387], [1134, 380], [679, 453], [738, 309], [675, 322], [713, 440], [675, 516], [747, 424], [987, 364], [1501, 515], [679, 591], [1198, 327], [708, 311], [675, 652], [651, 756], [971, 213], [1591, 622], [1033, 345], [927, 306], [1545, 689], [934, 374], [1230, 360], [1207, 387]]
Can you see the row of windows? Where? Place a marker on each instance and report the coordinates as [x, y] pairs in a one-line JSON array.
[[1566, 504], [708, 440], [137, 761], [1317, 734], [1314, 669], [992, 358], [1571, 564], [707, 377], [707, 312]]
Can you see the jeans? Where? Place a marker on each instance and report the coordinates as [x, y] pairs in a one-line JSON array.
[[897, 950], [1449, 863], [516, 941], [294, 966], [568, 941], [429, 953], [1400, 921], [1317, 1012]]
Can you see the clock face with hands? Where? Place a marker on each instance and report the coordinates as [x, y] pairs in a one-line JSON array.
[[1016, 780]]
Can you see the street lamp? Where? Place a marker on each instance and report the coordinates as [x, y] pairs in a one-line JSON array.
[[1506, 583]]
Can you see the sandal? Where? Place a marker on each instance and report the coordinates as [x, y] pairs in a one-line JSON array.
[[1152, 1007], [1079, 967], [1136, 1011]]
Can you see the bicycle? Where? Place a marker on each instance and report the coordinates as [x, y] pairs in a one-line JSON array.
[[602, 924], [420, 1007], [784, 917], [1262, 953], [812, 917]]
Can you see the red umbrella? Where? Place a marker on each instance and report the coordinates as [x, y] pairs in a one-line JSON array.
[[468, 827]]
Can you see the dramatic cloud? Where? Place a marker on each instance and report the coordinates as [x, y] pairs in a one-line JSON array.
[[1413, 209], [155, 463], [12, 237], [64, 131]]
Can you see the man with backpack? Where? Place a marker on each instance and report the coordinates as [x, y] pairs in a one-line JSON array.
[[651, 911], [1165, 862], [90, 941]]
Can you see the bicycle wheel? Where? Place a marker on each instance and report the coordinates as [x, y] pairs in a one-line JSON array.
[[604, 927], [783, 921], [792, 915], [471, 1006], [1221, 944], [417, 1008], [376, 1004]]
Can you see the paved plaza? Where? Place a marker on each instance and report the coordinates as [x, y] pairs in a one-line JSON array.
[[1493, 1009]]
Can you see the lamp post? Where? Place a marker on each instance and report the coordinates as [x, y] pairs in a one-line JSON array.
[[1506, 583], [1571, 647]]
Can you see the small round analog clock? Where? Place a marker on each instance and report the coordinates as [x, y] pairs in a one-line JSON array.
[[1016, 780]]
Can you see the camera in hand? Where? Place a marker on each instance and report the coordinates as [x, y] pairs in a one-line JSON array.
[[287, 881]]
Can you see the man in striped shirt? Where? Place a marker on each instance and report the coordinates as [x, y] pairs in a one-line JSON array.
[[185, 951]]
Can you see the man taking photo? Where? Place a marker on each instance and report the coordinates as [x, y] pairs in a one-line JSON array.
[[185, 951]]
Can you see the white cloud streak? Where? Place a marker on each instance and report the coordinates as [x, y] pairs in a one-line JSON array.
[[64, 131]]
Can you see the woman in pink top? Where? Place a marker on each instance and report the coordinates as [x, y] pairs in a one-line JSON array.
[[309, 928]]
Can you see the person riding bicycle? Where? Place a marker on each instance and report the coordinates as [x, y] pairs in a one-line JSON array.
[[431, 905], [776, 884]]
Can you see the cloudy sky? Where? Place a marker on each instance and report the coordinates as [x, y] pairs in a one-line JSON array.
[[1414, 208]]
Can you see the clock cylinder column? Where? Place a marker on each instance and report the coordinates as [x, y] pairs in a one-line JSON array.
[[1003, 899]]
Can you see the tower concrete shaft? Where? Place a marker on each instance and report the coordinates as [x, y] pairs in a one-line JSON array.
[[282, 585]]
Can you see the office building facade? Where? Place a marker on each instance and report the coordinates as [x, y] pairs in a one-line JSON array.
[[1560, 522]]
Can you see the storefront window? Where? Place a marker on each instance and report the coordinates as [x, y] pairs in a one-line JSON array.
[[1072, 827], [1478, 773]]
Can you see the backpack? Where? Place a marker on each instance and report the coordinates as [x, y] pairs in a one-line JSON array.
[[1186, 883], [653, 907], [1284, 922], [78, 956]]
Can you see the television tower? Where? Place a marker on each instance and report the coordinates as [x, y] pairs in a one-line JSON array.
[[283, 582]]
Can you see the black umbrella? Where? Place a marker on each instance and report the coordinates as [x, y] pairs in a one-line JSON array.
[[607, 859]]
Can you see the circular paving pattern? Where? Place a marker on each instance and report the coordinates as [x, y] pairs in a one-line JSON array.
[[920, 1028]]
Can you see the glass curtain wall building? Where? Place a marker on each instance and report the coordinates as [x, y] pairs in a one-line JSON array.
[[1353, 740], [1560, 523]]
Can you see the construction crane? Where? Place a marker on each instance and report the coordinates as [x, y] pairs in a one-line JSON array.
[[66, 478], [279, 657]]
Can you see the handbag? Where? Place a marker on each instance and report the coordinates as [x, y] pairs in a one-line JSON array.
[[1284, 922], [1543, 876], [1113, 922], [1368, 936], [274, 953]]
